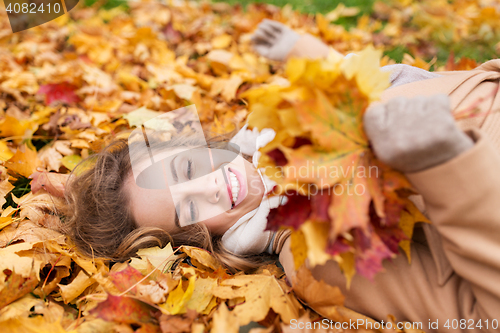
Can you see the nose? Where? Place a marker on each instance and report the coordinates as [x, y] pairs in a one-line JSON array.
[[208, 187]]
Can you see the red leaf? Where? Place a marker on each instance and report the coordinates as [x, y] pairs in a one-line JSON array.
[[393, 204], [123, 309], [393, 207], [339, 246], [126, 278], [301, 141], [295, 212], [278, 157], [362, 238], [59, 92], [391, 236], [171, 35], [349, 209], [369, 260], [299, 209], [319, 206]]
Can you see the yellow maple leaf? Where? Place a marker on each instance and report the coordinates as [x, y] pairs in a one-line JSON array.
[[262, 293], [23, 162], [225, 321], [159, 258]]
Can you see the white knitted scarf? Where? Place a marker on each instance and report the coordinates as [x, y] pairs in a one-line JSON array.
[[247, 235]]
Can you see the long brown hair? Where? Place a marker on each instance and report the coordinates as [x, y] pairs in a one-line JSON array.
[[98, 218]]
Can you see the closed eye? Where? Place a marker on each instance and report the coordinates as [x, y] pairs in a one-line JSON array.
[[189, 169], [192, 211]]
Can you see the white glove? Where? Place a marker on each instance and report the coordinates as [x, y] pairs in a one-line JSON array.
[[274, 40], [414, 134]]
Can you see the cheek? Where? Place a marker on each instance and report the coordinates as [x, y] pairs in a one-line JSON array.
[[254, 185], [153, 208], [219, 224]]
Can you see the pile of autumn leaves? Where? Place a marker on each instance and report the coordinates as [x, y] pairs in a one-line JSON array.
[[71, 86]]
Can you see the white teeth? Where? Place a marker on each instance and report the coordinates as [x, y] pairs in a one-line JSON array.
[[235, 186]]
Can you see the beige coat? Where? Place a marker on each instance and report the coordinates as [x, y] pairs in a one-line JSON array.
[[455, 268]]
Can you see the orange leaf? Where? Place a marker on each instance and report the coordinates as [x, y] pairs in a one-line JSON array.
[[23, 163], [15, 287], [123, 309], [350, 204]]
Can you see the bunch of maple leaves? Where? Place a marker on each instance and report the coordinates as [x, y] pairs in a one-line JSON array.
[[71, 86], [341, 200]]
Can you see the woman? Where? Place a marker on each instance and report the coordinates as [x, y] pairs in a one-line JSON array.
[[455, 262]]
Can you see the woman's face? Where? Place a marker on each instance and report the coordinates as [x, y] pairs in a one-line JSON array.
[[195, 192]]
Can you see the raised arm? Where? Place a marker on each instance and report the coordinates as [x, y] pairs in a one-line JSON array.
[[457, 175], [276, 41]]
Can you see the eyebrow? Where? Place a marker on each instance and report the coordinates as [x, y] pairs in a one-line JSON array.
[[176, 221], [172, 168]]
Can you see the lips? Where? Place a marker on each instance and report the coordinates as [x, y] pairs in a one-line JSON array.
[[242, 182], [242, 190], [228, 185]]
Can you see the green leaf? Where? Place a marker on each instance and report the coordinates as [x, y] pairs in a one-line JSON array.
[[70, 161]]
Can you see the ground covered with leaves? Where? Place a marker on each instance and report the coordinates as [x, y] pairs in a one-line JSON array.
[[73, 85]]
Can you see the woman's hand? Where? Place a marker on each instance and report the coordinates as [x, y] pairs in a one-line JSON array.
[[274, 40], [414, 134]]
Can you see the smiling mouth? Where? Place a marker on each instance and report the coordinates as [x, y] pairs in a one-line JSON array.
[[235, 187]]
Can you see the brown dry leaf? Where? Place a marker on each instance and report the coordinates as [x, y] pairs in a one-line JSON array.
[[5, 185], [319, 295], [97, 325], [51, 182], [262, 293], [200, 256], [50, 158], [11, 261], [153, 292], [20, 308], [28, 231], [37, 324], [36, 206], [225, 321], [177, 324], [226, 87], [305, 324], [50, 284], [76, 287], [16, 286]]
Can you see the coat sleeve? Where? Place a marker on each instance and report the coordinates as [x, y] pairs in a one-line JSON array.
[[462, 197]]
